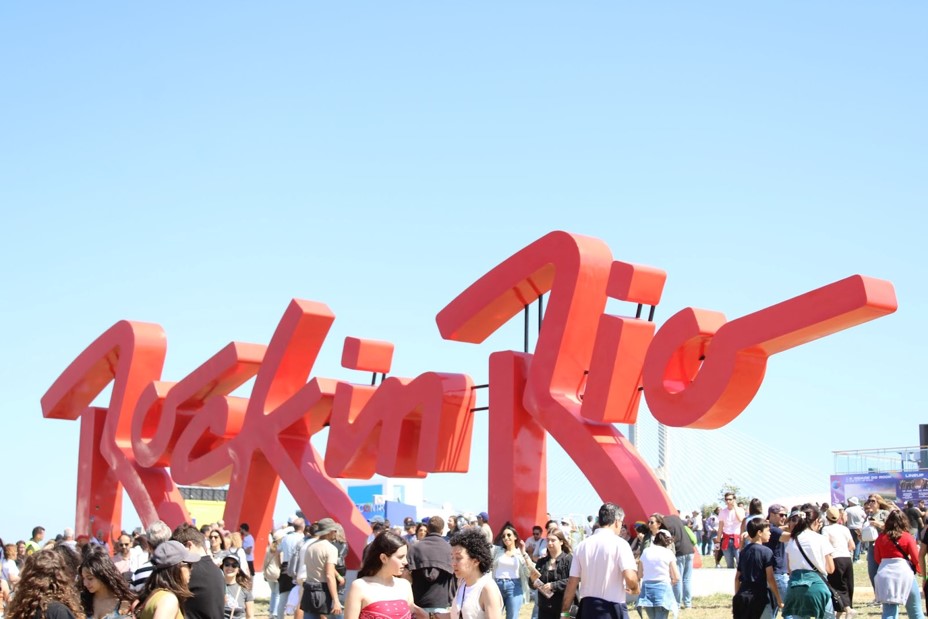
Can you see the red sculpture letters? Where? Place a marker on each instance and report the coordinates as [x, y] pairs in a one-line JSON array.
[[586, 373]]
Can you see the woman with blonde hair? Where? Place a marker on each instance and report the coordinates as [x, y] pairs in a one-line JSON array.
[[45, 590], [236, 547]]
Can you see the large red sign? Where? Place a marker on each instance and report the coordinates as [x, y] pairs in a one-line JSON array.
[[586, 373]]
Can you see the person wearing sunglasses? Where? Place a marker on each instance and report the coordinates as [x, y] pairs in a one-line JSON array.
[[122, 556], [167, 587], [512, 568], [240, 601], [217, 545], [877, 511], [779, 535], [729, 532]]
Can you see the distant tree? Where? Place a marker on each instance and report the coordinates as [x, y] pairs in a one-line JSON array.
[[729, 487]]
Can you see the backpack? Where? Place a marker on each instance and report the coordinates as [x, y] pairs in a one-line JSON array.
[[296, 560]]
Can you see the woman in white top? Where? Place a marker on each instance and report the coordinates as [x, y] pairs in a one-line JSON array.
[[808, 561], [657, 571], [510, 569], [478, 597], [842, 579]]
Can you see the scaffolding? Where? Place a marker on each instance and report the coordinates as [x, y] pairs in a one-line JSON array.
[[887, 460]]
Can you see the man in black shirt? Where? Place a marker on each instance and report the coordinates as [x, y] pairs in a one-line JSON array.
[[207, 584], [430, 566]]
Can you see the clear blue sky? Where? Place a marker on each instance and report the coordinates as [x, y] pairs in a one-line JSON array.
[[198, 165]]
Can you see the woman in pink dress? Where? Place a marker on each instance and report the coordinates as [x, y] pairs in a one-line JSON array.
[[379, 592]]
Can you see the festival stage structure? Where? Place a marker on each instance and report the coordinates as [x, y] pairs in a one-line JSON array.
[[586, 373]]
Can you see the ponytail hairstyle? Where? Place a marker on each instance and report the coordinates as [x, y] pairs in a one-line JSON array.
[[803, 518]]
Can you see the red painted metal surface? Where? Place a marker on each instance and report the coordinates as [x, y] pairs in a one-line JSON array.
[[586, 373]]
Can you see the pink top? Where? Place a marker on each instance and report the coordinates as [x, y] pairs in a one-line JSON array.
[[386, 609]]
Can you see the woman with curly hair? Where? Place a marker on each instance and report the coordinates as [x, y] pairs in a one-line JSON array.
[[45, 590], [104, 592], [478, 597], [896, 554], [166, 588]]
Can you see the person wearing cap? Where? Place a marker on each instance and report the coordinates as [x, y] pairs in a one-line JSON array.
[[777, 516], [842, 579], [320, 589], [288, 547], [483, 521], [271, 568], [166, 588], [855, 518], [239, 600], [156, 533], [409, 525]]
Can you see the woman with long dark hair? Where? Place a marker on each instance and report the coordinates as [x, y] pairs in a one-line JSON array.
[[46, 590], [166, 589], [553, 572], [808, 561], [380, 592], [511, 569], [104, 591], [896, 554], [657, 573]]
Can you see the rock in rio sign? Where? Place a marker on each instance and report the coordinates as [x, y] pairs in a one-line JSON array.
[[586, 373]]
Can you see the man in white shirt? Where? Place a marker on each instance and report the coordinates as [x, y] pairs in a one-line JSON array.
[[603, 568], [855, 518], [729, 535]]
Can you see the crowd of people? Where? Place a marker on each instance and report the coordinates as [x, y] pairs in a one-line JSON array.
[[798, 562]]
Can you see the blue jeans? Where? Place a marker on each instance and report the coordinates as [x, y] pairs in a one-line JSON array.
[[871, 563], [511, 589], [683, 589], [656, 613], [275, 594], [731, 555], [913, 605], [782, 586]]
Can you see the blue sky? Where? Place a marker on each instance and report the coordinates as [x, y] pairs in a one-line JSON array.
[[200, 165]]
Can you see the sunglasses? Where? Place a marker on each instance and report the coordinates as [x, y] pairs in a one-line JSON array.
[[124, 545], [229, 564], [214, 537], [508, 535]]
